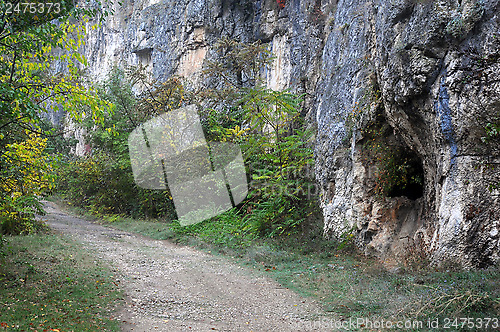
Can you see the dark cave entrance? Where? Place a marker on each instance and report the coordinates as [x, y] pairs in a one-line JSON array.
[[398, 169], [410, 171]]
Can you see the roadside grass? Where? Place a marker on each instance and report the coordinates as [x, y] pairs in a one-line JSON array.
[[347, 284], [48, 283]]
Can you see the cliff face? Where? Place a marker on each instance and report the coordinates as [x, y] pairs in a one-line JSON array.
[[174, 37], [400, 91], [419, 77]]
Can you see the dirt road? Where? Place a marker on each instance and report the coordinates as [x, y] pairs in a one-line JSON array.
[[175, 288]]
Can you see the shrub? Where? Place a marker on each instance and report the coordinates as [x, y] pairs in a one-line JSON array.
[[102, 181], [27, 177], [464, 21], [265, 123], [276, 144]]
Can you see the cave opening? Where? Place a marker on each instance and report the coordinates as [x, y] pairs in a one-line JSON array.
[[399, 169], [409, 172]]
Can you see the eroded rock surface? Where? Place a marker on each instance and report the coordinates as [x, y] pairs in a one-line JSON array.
[[427, 70]]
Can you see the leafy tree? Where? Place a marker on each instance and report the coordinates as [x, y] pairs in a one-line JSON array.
[[35, 41], [103, 181], [157, 97], [266, 123], [28, 175]]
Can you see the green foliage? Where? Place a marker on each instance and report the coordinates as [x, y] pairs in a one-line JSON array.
[[492, 131], [276, 145], [240, 109], [28, 174], [346, 239], [103, 181], [18, 215], [492, 138], [224, 230], [238, 65], [278, 215], [30, 45], [96, 182], [465, 18], [157, 97], [57, 145]]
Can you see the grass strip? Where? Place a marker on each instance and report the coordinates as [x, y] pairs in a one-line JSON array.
[[50, 283]]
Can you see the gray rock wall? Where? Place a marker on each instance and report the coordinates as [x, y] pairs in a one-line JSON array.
[[435, 65], [411, 80]]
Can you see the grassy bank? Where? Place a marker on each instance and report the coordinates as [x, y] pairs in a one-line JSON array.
[[344, 282], [49, 283]]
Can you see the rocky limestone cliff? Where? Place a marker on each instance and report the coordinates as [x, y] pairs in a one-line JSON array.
[[406, 84], [428, 71], [174, 37]]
